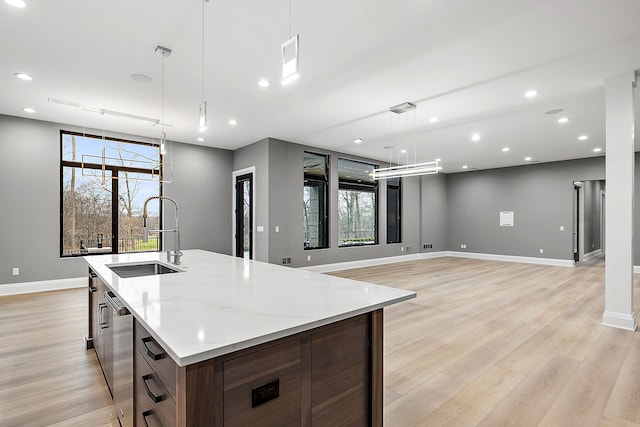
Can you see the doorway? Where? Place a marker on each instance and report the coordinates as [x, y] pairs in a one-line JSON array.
[[243, 211], [588, 220]]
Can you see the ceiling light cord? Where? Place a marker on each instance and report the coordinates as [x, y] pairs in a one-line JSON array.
[[290, 18], [203, 50], [162, 99]]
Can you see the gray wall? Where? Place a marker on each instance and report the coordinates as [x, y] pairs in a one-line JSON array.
[[256, 155], [30, 199], [433, 211], [541, 195], [202, 188], [285, 210]]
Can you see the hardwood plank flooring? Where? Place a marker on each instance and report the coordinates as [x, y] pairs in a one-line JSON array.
[[47, 378], [484, 344], [504, 344]]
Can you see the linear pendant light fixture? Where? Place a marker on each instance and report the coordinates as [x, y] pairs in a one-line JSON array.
[[415, 169], [290, 56], [203, 106]]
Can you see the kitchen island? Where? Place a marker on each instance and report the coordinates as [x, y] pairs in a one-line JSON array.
[[228, 341]]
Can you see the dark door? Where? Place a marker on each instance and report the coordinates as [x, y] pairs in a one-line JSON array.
[[576, 226], [244, 216]]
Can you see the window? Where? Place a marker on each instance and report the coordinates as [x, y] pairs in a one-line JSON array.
[[394, 210], [316, 176], [357, 204], [103, 185]]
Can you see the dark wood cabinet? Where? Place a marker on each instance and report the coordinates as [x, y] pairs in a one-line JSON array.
[[100, 330], [327, 376]]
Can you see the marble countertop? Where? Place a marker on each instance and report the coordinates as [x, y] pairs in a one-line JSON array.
[[219, 304]]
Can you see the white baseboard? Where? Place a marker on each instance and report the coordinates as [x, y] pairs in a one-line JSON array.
[[592, 254], [43, 285], [325, 268], [619, 320], [513, 258]]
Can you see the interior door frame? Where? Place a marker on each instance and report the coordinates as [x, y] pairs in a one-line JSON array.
[[234, 175]]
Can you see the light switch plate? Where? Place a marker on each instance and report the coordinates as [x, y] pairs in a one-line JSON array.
[[16, 271], [260, 228]]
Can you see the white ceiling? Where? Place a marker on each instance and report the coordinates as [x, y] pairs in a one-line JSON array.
[[468, 62]]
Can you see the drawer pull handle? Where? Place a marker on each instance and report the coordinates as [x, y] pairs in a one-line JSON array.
[[146, 414], [152, 396], [155, 355]]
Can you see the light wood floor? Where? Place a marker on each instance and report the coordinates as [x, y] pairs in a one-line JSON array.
[[484, 343], [47, 378], [502, 344]]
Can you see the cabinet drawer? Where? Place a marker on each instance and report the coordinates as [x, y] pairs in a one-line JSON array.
[[264, 387], [161, 363], [154, 405]]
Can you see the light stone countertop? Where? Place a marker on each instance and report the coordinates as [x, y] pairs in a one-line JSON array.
[[219, 304]]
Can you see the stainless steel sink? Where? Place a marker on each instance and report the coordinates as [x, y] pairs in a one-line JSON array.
[[142, 269]]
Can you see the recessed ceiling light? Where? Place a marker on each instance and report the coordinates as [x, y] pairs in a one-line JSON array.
[[597, 150], [403, 151], [16, 3], [358, 140], [475, 137], [532, 93], [505, 149], [263, 83], [232, 122], [200, 139], [527, 159], [438, 160], [583, 137], [465, 167], [554, 111], [563, 119], [141, 78], [23, 76], [433, 119], [28, 110]]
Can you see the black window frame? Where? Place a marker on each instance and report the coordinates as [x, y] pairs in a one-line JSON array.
[[115, 170], [394, 209], [357, 184], [320, 181]]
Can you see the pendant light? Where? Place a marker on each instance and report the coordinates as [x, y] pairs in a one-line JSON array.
[[414, 169], [165, 53], [290, 56], [203, 106]]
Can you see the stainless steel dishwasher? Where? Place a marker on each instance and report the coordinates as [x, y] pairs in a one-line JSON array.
[[122, 360]]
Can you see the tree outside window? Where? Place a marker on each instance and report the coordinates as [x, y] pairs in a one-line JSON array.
[[104, 183], [357, 204]]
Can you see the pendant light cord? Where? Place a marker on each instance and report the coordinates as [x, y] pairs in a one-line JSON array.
[[203, 50], [289, 19], [162, 101]]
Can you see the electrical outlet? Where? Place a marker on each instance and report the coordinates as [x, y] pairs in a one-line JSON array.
[[289, 260], [16, 271], [277, 228], [562, 228], [407, 248], [427, 246], [284, 260], [401, 248], [308, 257], [463, 246], [541, 251]]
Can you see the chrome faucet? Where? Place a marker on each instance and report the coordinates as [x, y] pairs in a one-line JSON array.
[[176, 228]]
